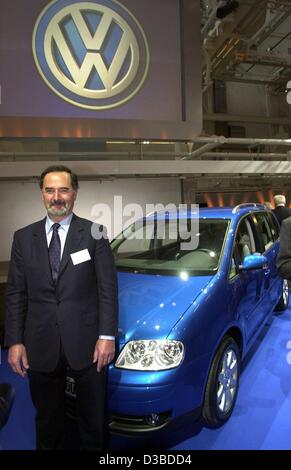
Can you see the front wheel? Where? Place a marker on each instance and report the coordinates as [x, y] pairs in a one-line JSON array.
[[284, 299], [222, 384]]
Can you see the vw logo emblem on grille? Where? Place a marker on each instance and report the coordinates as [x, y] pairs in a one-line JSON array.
[[92, 54]]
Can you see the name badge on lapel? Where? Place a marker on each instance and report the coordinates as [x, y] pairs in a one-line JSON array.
[[80, 256]]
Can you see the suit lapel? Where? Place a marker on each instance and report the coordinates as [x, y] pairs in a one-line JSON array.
[[40, 240], [74, 237]]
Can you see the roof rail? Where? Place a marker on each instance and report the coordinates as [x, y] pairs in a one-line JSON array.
[[247, 204]]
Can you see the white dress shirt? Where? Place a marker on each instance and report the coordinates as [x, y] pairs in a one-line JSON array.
[[63, 230]]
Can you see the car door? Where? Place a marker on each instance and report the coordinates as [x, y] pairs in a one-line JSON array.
[[246, 287]]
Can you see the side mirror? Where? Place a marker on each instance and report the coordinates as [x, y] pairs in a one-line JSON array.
[[254, 261]]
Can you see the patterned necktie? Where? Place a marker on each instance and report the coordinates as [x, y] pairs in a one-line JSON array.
[[55, 252]]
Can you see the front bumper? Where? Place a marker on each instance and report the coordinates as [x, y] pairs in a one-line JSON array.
[[126, 424], [143, 402]]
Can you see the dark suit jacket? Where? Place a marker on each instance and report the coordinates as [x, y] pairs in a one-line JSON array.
[[284, 255], [282, 212], [82, 306]]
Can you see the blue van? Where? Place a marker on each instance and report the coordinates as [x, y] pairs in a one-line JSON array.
[[189, 316]]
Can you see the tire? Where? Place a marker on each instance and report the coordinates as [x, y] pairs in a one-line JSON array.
[[284, 299], [222, 384]]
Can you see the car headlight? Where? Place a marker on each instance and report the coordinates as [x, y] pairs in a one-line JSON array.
[[151, 355]]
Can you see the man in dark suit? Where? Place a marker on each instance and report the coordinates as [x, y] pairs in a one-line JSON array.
[[281, 211], [61, 312]]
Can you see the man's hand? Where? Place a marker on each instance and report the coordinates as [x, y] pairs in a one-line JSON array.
[[103, 353], [17, 359]]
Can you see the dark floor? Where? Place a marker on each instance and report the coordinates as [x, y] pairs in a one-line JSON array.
[[261, 419]]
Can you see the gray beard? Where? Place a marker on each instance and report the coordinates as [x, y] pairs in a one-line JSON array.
[[57, 212]]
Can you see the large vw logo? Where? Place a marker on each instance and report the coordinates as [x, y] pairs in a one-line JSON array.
[[92, 54]]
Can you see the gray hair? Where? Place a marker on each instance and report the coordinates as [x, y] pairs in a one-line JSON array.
[[279, 199]]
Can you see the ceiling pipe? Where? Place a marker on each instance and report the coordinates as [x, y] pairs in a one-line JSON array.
[[242, 141], [200, 151], [245, 155], [241, 118], [208, 144]]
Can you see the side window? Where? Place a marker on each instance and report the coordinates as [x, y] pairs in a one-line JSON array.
[[275, 229], [244, 239], [244, 245], [264, 230]]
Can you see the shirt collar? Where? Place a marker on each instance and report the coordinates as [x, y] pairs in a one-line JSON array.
[[64, 224]]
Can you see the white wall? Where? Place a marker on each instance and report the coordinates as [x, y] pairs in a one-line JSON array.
[[21, 204]]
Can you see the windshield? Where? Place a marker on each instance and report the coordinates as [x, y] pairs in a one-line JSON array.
[[144, 248]]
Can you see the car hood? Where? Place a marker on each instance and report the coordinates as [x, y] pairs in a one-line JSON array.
[[151, 304]]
